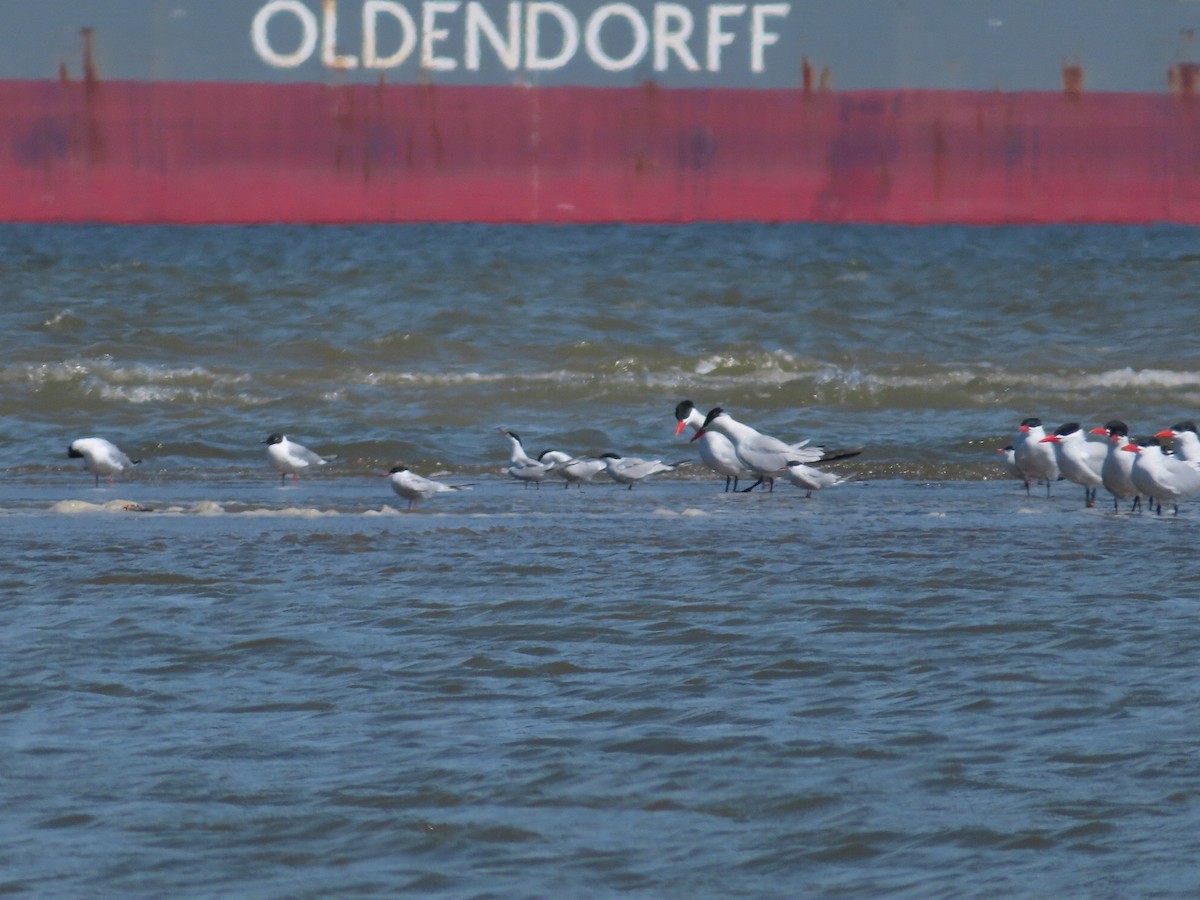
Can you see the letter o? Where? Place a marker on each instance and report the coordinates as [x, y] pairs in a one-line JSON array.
[[641, 37], [308, 41]]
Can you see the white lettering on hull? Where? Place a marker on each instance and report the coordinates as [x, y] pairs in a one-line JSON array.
[[533, 36]]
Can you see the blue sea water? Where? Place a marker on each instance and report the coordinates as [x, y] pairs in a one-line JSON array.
[[921, 683]]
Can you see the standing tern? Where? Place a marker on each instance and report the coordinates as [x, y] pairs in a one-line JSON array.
[[1038, 461], [1161, 477], [100, 457], [716, 450], [1008, 456], [764, 455], [522, 466], [573, 469], [630, 469], [1079, 460], [414, 488], [1116, 472], [1187, 444], [291, 458]]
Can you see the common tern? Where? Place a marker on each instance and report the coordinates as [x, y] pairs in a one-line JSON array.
[[1187, 444], [1036, 460], [716, 450], [764, 455], [414, 488], [291, 458], [1116, 472], [811, 479], [630, 470], [100, 457], [1161, 477], [1079, 460]]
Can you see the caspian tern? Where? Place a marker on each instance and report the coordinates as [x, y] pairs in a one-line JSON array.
[[100, 457], [522, 466], [716, 450], [415, 488], [630, 469], [1038, 461], [1079, 460], [764, 455], [291, 458], [811, 479], [573, 469], [1187, 444], [1117, 468], [1161, 477]]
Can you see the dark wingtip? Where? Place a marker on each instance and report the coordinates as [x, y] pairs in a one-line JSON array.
[[841, 453]]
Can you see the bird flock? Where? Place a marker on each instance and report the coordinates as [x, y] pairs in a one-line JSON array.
[[730, 448], [1127, 468]]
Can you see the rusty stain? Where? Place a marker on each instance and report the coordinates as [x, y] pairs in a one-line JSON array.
[[826, 80], [64, 74], [1072, 74], [1183, 79], [806, 74]]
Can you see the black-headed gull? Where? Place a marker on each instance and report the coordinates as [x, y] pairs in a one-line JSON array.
[[100, 457], [291, 458]]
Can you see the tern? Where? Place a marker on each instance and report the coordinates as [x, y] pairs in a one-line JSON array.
[[1079, 460], [1187, 444], [414, 488], [1116, 472], [1008, 457], [1038, 461], [573, 469], [766, 456], [100, 457], [630, 470], [291, 458], [522, 466], [1161, 477], [716, 450], [811, 479]]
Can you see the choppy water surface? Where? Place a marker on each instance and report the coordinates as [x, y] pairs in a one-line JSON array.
[[922, 683]]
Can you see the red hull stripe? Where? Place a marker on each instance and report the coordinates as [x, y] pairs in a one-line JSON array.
[[147, 152]]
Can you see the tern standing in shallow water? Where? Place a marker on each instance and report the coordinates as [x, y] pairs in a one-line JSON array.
[[100, 457], [764, 455], [1161, 477], [716, 450], [629, 470], [291, 458], [414, 488]]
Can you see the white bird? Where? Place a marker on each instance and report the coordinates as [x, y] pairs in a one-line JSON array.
[[522, 466], [291, 458], [1116, 472], [1038, 461], [573, 469], [764, 455], [1187, 444], [716, 450], [1008, 457], [415, 488], [630, 469], [1079, 460], [1161, 477], [811, 479], [100, 457]]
